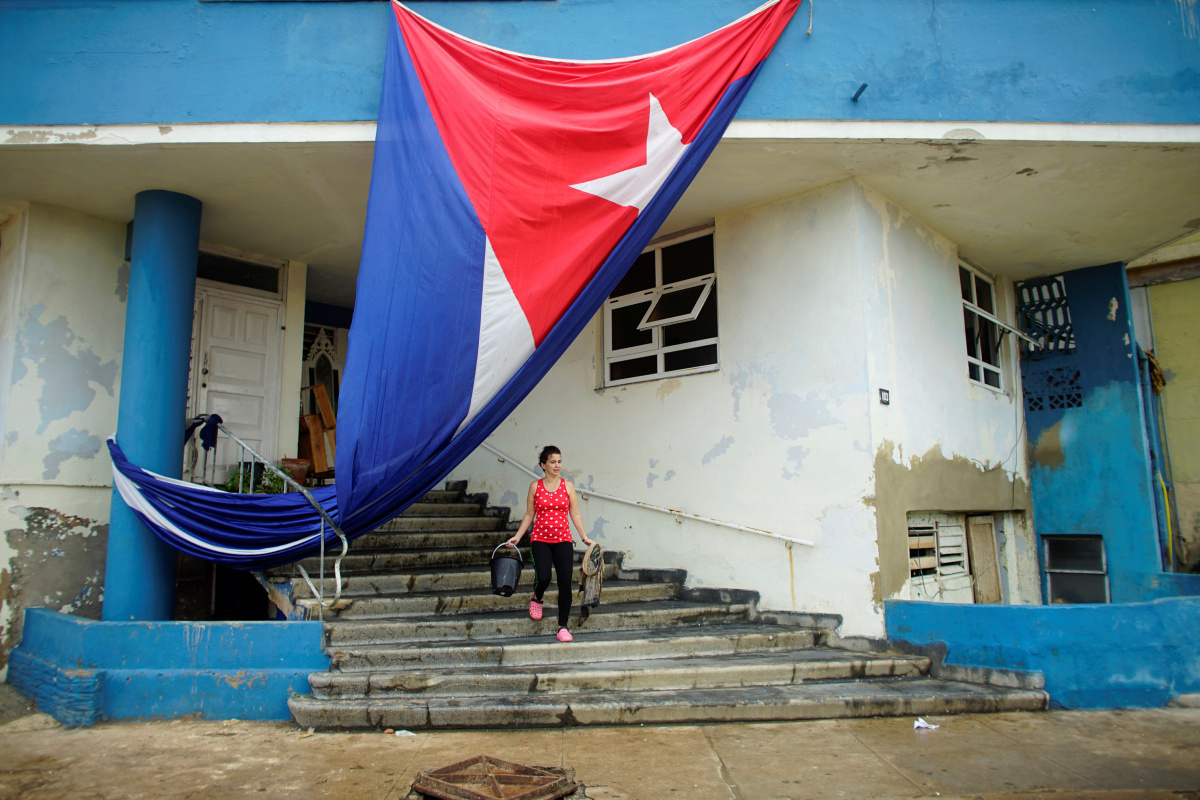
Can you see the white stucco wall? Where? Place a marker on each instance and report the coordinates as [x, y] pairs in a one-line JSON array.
[[62, 328], [824, 298], [961, 444]]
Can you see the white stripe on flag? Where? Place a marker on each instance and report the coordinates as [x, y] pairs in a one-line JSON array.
[[505, 338], [134, 498]]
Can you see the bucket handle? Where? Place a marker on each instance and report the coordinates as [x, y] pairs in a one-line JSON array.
[[513, 546]]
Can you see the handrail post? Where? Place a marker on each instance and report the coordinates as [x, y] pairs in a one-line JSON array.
[[288, 480]]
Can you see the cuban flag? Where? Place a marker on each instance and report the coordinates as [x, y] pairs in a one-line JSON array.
[[509, 195]]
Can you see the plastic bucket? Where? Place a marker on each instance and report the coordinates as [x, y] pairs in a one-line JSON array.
[[506, 571]]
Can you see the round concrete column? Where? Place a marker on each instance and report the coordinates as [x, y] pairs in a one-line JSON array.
[[139, 581]]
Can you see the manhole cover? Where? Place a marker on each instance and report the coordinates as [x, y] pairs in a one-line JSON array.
[[489, 778]]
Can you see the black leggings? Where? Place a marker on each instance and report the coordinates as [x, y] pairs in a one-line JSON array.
[[560, 555]]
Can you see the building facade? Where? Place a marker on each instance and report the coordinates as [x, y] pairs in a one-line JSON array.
[[899, 180]]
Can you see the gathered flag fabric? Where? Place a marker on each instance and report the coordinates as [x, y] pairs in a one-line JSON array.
[[509, 195]]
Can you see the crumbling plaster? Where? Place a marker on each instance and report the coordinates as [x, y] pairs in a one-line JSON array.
[[61, 332], [941, 443]]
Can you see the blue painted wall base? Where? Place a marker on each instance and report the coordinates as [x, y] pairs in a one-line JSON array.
[[1120, 655], [82, 672]]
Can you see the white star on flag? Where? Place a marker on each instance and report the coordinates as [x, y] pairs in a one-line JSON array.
[[637, 186]]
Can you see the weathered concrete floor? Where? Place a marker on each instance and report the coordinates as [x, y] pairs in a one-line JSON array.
[[1114, 755]]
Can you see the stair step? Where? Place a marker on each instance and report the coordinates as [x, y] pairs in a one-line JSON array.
[[690, 672], [449, 603], [621, 616], [444, 496], [422, 581], [866, 698], [392, 560], [420, 641], [443, 509], [429, 540], [589, 647], [445, 523]]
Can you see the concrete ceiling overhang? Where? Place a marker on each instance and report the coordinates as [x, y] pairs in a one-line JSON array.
[[1020, 206]]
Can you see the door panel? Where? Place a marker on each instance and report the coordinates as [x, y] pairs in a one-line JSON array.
[[239, 371], [985, 567]]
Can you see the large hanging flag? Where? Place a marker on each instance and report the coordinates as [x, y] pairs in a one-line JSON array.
[[509, 195]]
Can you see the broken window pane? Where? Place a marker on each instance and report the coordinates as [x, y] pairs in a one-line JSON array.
[[981, 334]]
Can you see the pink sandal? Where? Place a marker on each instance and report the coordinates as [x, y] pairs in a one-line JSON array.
[[535, 610], [564, 635]]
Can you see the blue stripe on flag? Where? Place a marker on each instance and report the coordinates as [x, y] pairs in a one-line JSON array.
[[389, 500], [416, 315]]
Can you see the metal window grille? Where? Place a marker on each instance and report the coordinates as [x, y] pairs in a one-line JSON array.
[[1044, 314]]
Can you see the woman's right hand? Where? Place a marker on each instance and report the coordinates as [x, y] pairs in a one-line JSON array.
[[513, 541]]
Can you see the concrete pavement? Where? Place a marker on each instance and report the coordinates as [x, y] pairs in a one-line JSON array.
[[1112, 755]]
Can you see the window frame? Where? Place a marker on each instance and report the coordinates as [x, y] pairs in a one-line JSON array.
[[986, 320], [653, 295], [1048, 539]]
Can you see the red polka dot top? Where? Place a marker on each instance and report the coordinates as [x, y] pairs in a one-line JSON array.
[[550, 520]]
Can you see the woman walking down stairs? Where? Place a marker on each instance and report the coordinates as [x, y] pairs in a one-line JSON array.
[[421, 642]]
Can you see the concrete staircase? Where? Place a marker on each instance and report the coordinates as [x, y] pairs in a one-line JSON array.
[[420, 642]]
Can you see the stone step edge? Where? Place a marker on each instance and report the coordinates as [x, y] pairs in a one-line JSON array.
[[865, 698], [542, 678], [366, 584], [518, 613], [610, 646], [523, 593], [344, 611]]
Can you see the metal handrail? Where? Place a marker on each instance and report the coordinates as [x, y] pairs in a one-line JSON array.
[[325, 520], [505, 459]]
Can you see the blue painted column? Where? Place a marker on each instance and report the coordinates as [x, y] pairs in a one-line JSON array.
[[139, 582]]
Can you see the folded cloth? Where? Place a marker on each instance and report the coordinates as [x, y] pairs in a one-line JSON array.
[[592, 581]]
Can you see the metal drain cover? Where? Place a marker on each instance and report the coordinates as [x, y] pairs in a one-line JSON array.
[[489, 778]]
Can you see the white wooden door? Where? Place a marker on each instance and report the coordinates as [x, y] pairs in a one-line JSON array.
[[237, 371]]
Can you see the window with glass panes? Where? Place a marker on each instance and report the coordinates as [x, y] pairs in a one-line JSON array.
[[1076, 569], [661, 320], [983, 335]]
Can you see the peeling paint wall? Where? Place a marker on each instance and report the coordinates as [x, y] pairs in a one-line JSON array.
[[824, 297], [1091, 473], [61, 333], [159, 61], [942, 443]]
